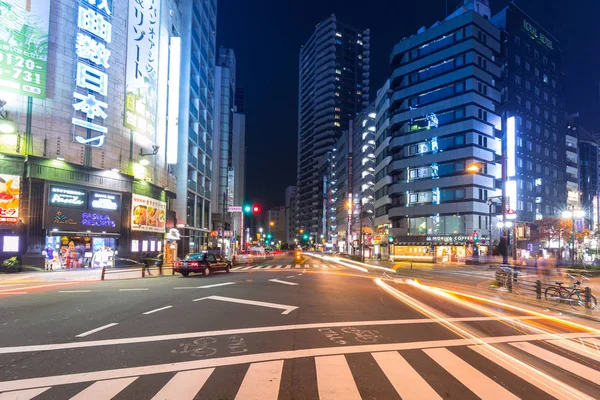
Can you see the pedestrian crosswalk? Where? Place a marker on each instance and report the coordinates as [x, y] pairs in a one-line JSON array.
[[484, 371], [287, 266]]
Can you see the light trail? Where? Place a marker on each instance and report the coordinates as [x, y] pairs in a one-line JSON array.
[[538, 378]]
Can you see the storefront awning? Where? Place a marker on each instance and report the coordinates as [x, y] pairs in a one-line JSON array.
[[72, 233]]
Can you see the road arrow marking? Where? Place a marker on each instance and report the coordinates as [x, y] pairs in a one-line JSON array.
[[284, 282], [157, 310], [287, 309]]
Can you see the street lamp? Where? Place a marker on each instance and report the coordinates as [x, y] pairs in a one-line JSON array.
[[572, 214]]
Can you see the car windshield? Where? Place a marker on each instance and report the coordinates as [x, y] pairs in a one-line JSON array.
[[195, 256]]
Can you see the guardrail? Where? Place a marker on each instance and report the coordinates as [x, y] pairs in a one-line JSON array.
[[508, 277], [136, 271]]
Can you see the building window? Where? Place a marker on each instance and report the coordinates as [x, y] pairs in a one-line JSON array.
[[555, 155], [519, 100], [547, 171], [530, 186], [520, 141], [482, 62], [482, 114], [553, 100], [459, 34], [537, 111], [553, 83], [520, 162], [518, 60], [529, 146], [538, 169], [528, 125], [528, 85], [545, 78], [545, 60], [554, 118], [538, 129], [538, 149], [482, 140], [546, 133], [536, 72], [517, 40], [536, 54], [519, 205], [482, 88], [459, 113], [528, 105], [527, 66], [517, 79], [554, 137], [546, 115], [527, 47], [529, 207], [553, 67], [545, 96], [537, 91], [413, 78], [546, 152], [482, 36], [459, 87], [529, 166]]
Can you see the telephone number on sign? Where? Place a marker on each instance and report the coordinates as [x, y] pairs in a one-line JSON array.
[[9, 59]]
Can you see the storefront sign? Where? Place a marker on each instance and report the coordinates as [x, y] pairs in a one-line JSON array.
[[539, 36], [148, 214], [10, 190], [230, 186], [61, 218], [104, 201], [91, 47], [10, 244], [66, 197], [24, 46], [141, 74], [234, 209], [450, 239], [100, 220]]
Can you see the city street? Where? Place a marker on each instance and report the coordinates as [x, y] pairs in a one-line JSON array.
[[279, 330]]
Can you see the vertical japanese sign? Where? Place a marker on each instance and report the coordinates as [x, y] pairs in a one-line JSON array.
[[10, 190], [91, 92], [24, 46], [141, 77], [230, 186]]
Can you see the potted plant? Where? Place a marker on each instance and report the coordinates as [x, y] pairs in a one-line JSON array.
[[11, 265]]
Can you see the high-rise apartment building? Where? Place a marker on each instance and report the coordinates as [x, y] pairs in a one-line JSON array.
[[444, 117], [196, 120], [239, 158], [290, 206], [223, 173], [533, 94], [333, 88], [276, 224]]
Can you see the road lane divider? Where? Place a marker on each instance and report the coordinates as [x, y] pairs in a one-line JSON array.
[[74, 291], [205, 286], [133, 290], [84, 334], [157, 310], [286, 309], [284, 282]]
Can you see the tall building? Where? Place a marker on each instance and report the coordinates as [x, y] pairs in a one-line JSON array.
[[363, 177], [444, 117], [337, 176], [572, 162], [333, 88], [290, 206], [84, 146], [383, 179], [223, 173], [534, 95], [196, 121], [239, 157], [276, 223]]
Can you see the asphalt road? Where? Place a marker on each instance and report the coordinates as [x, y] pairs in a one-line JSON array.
[[279, 330]]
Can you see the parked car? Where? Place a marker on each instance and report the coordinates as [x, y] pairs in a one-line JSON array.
[[201, 263]]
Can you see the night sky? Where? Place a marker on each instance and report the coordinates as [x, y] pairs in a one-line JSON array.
[[266, 36]]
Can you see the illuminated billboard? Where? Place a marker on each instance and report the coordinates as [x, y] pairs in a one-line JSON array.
[[24, 46]]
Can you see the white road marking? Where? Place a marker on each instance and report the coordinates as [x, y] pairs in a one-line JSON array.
[[9, 293], [34, 287], [205, 286], [157, 310], [104, 389], [23, 394], [296, 266], [407, 382], [268, 267], [287, 309], [578, 348], [236, 268], [261, 382], [323, 266], [291, 276], [252, 358], [84, 334], [334, 379], [248, 267], [278, 267], [284, 282], [560, 361], [288, 266], [553, 387], [74, 291], [276, 328], [469, 376], [184, 385], [132, 290]]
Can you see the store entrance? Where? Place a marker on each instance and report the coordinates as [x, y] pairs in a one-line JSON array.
[[79, 251]]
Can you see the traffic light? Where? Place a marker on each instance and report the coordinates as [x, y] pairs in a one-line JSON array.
[[269, 236], [475, 237], [391, 239], [305, 236], [247, 208], [255, 209]]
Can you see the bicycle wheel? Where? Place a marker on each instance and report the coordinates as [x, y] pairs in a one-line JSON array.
[[576, 300], [552, 294]]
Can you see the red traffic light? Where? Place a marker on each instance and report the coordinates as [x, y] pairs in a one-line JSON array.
[[255, 209]]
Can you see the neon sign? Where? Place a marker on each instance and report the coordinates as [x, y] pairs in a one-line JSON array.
[[91, 45], [540, 37]]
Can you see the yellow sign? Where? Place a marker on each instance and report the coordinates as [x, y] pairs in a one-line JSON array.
[[10, 190]]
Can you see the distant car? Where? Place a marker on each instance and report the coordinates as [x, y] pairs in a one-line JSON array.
[[201, 263], [126, 263], [298, 256]]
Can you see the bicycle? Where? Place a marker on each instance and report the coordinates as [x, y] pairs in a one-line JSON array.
[[570, 294]]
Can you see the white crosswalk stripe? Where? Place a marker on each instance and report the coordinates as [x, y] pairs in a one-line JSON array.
[[278, 267], [335, 379], [236, 268]]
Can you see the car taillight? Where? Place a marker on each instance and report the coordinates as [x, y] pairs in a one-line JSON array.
[[177, 263], [193, 264]]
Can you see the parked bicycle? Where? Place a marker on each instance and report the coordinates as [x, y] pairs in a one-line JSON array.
[[570, 294]]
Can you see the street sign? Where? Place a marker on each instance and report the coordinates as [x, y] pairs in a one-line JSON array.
[[235, 209]]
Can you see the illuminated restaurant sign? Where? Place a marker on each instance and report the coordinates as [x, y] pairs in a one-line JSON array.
[[67, 197], [104, 201]]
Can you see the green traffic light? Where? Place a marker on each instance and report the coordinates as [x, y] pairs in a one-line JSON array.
[[305, 237], [247, 209]]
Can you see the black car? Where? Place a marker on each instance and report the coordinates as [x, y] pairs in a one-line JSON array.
[[204, 263]]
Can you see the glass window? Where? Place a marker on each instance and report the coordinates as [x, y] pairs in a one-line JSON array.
[[527, 85], [517, 79], [517, 40], [453, 224], [527, 66]]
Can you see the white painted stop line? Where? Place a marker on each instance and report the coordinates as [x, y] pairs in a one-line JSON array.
[[284, 282]]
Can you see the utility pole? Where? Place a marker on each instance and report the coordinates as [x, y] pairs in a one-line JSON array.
[[223, 211], [504, 184], [362, 249]]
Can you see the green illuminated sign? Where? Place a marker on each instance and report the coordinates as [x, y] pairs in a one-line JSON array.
[[24, 46]]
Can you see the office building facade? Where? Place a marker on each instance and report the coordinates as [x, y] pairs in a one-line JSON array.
[[333, 88], [239, 158], [444, 117], [290, 207], [196, 121]]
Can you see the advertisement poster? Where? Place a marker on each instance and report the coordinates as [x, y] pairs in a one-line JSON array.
[[142, 67], [10, 189], [230, 186], [24, 46], [148, 214]]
